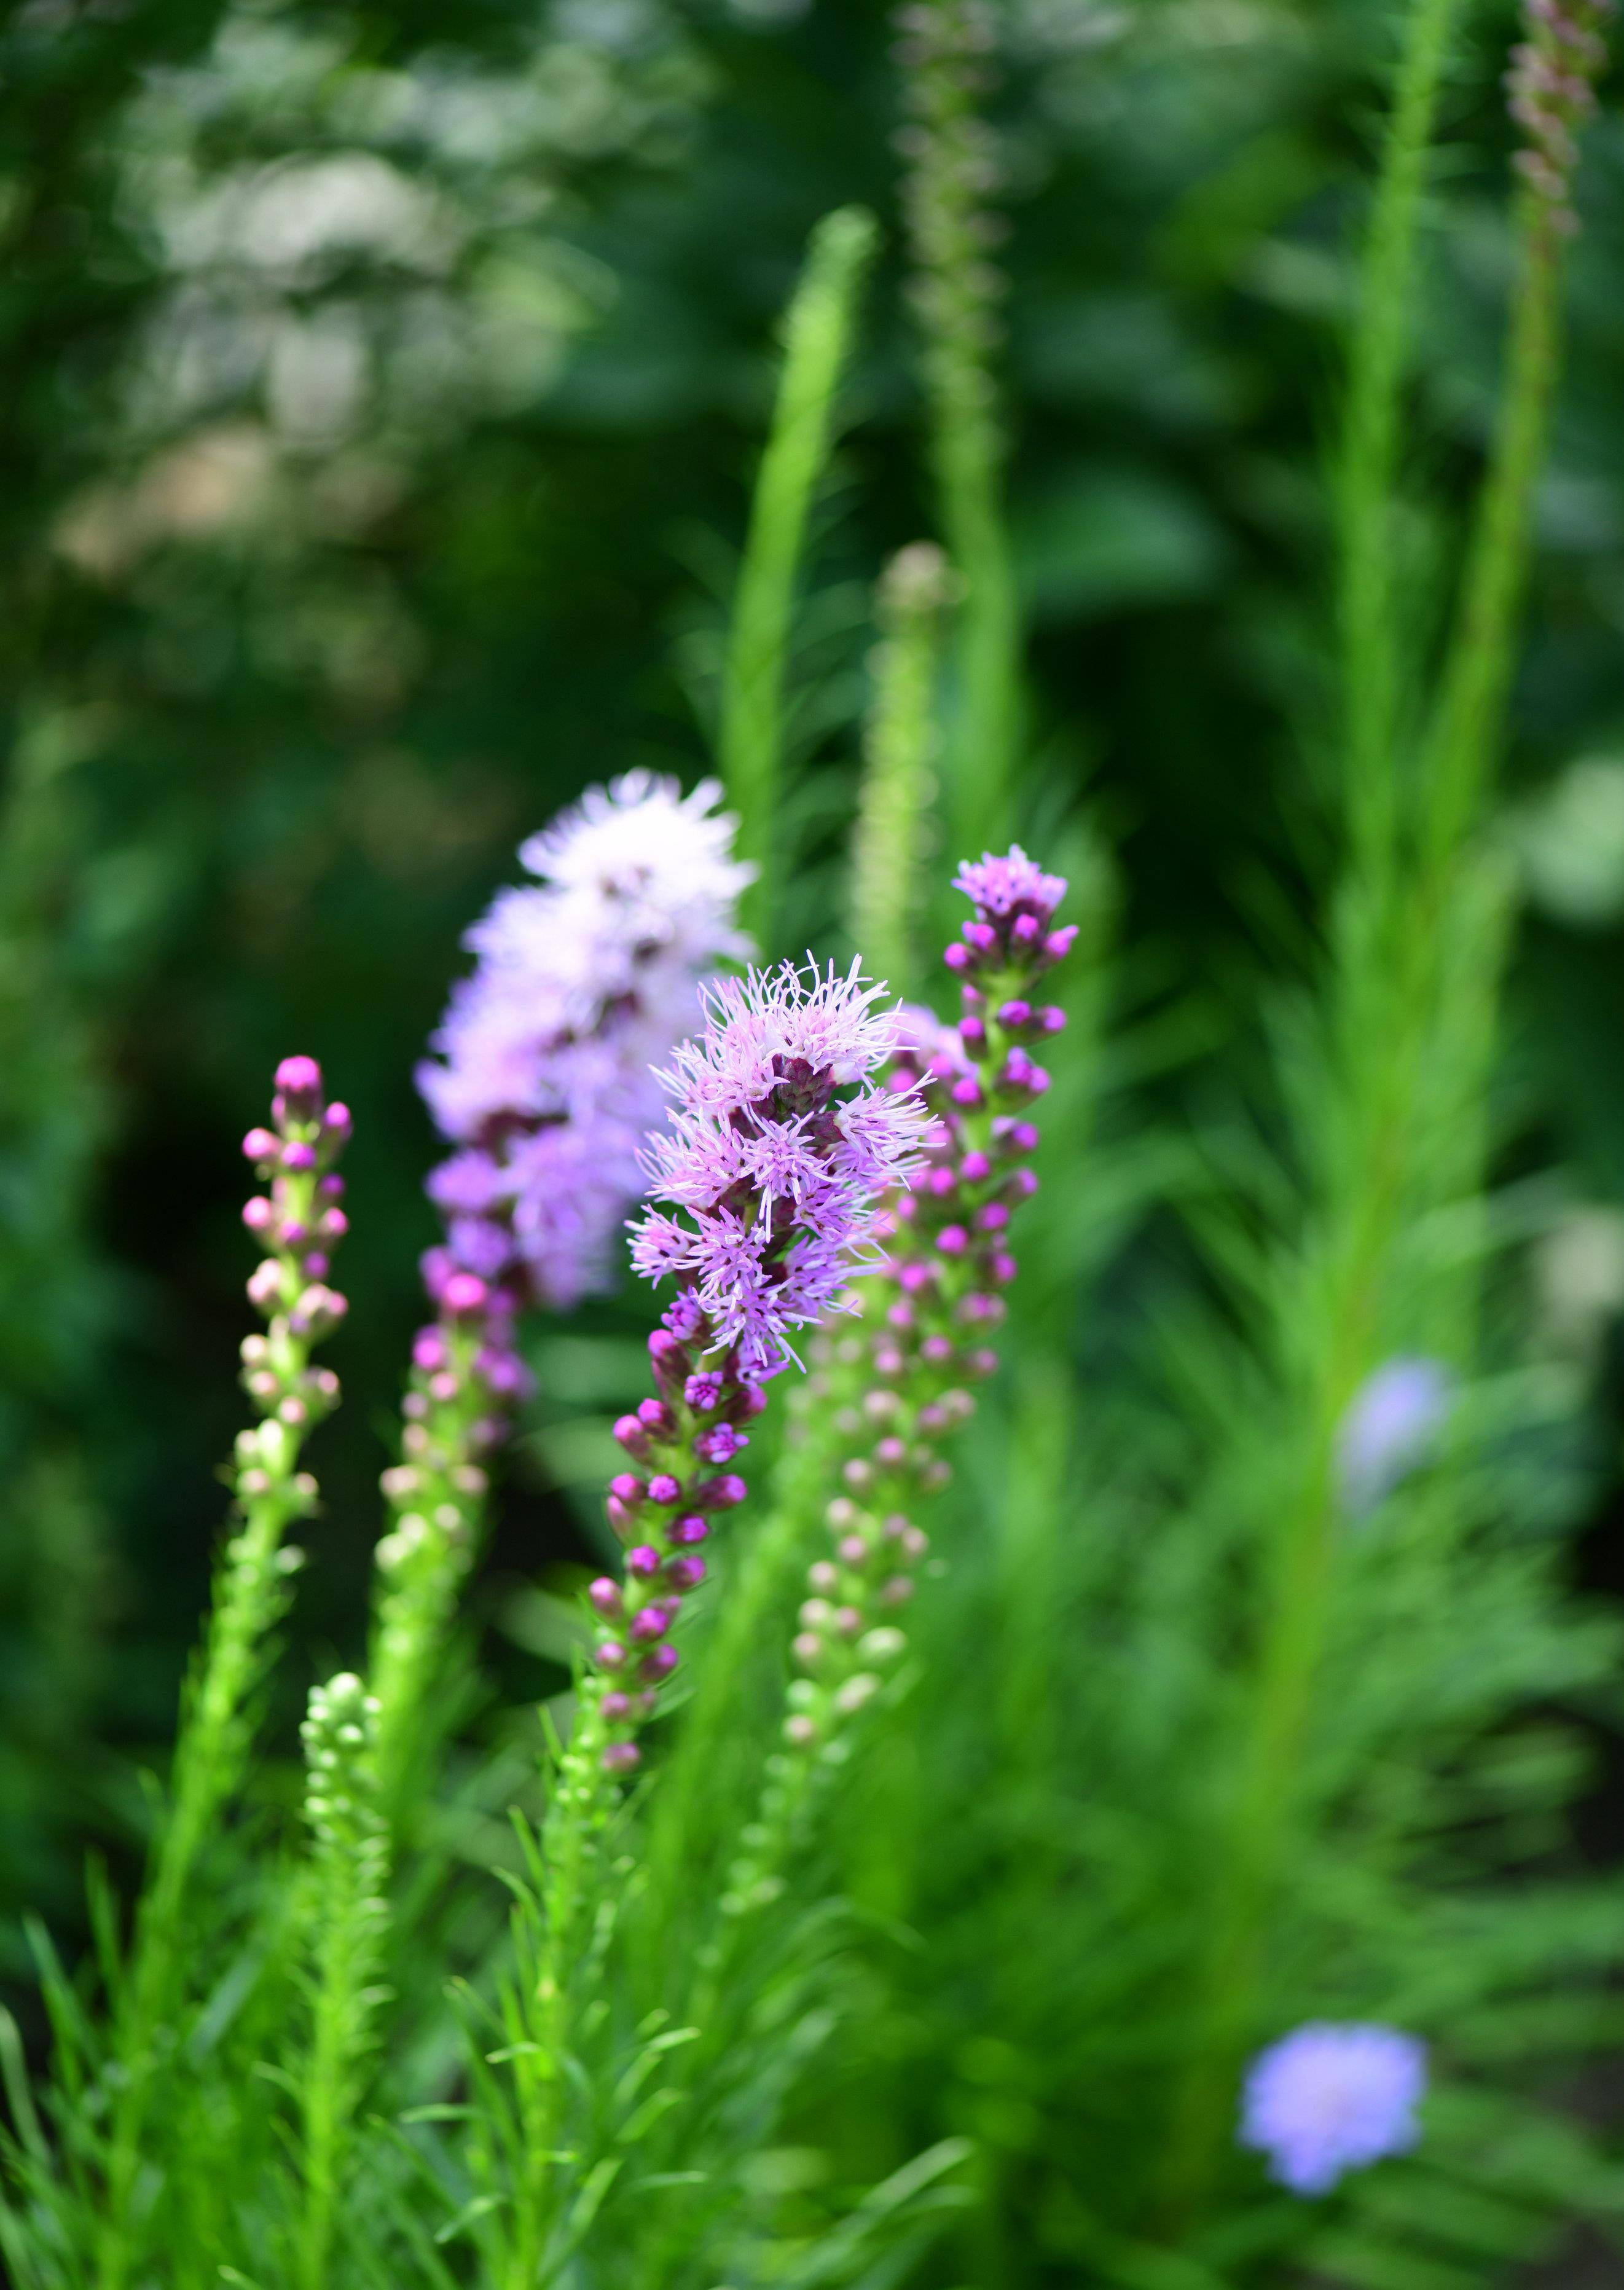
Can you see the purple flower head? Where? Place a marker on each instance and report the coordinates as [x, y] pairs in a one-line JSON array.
[[1329, 2099], [541, 1066], [780, 1144], [1001, 888], [1391, 1423]]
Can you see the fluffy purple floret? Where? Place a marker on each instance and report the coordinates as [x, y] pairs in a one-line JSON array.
[[1329, 2099], [1010, 884], [1390, 1426], [768, 1177], [542, 1067]]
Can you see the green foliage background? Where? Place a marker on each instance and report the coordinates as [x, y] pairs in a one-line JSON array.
[[385, 389]]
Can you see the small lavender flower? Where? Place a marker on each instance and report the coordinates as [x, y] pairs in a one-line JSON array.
[[1390, 1428], [1550, 88], [767, 1181], [1329, 2099], [542, 1067]]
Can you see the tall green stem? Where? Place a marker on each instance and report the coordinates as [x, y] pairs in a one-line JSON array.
[[751, 734], [347, 1913], [892, 817], [1388, 1000], [956, 288], [1367, 475]]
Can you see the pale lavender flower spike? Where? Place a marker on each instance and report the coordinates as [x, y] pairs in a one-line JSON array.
[[774, 1178], [1329, 2099], [542, 1072], [1390, 1428]]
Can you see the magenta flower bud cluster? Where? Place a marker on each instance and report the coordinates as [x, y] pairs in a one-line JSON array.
[[1551, 91], [782, 1140], [902, 1388], [298, 1220], [542, 1075]]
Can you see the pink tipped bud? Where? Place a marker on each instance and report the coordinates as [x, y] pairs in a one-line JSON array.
[[967, 1093], [652, 1623], [685, 1573], [658, 1661], [265, 1284], [1057, 946], [621, 1757], [974, 1168], [663, 1488], [889, 1453], [1015, 1014], [953, 1240], [644, 1561], [656, 1417], [993, 1218], [608, 1653], [1024, 931], [336, 1121], [941, 1182], [720, 1494], [259, 1145], [690, 1528], [957, 956], [937, 1350], [1053, 1020], [981, 936], [298, 1078], [629, 1434], [258, 1213], [1023, 1136], [605, 1596], [428, 1350], [981, 1362], [1002, 1268], [464, 1295], [616, 1705], [619, 1517], [852, 1550], [626, 1488], [298, 1157]]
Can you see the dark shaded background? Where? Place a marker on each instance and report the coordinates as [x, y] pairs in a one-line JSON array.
[[383, 386]]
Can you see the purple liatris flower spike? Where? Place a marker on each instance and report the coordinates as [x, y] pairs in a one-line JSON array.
[[894, 1394], [1390, 1428], [1329, 2099], [782, 1138], [541, 1074]]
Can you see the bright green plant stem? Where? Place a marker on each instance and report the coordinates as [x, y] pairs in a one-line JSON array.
[[251, 1593], [1367, 476], [750, 737], [956, 294], [346, 1914], [1483, 651], [436, 1495], [888, 842], [1391, 1013]]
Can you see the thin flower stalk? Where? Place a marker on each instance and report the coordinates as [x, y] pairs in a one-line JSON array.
[[750, 737], [299, 1221], [943, 48], [889, 835], [896, 1393], [542, 1078], [766, 1184], [1403, 1087], [348, 1914]]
